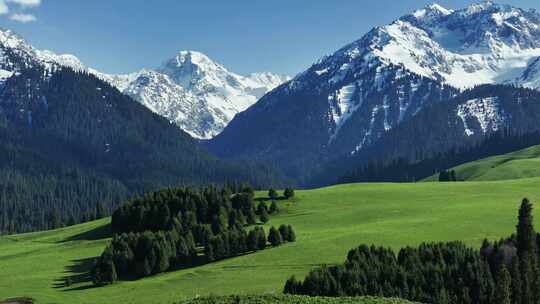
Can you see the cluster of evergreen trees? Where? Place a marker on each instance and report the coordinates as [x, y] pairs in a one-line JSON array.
[[506, 272], [447, 176], [235, 242], [182, 227]]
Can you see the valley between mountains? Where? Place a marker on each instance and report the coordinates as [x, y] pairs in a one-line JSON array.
[[401, 168]]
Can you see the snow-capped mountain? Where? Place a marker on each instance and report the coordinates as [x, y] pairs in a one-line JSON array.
[[191, 90], [348, 100], [198, 94]]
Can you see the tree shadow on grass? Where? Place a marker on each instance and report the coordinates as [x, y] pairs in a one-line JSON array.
[[98, 233], [78, 272]]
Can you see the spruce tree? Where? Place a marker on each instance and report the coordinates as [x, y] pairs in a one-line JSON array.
[[292, 234], [527, 250], [261, 238], [288, 193], [502, 289], [516, 285], [264, 217], [292, 286], [526, 237], [261, 207], [274, 237], [443, 176], [272, 194], [452, 176], [251, 218], [251, 241], [284, 231], [274, 208], [100, 211]]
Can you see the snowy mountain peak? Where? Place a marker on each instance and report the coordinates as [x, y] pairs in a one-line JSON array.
[[480, 7], [10, 39], [195, 58], [189, 67], [483, 43], [198, 94], [432, 11]]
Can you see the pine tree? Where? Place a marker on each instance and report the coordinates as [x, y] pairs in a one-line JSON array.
[[526, 237], [252, 240], [292, 234], [452, 176], [288, 193], [516, 285], [261, 238], [527, 250], [274, 237], [272, 194], [251, 217], [209, 252], [284, 231], [264, 217], [443, 176], [274, 208], [261, 207], [100, 211], [502, 289]]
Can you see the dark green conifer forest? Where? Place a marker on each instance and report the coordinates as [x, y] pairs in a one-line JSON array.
[[505, 271], [184, 227], [70, 142]]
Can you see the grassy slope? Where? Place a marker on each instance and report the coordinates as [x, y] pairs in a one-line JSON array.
[[520, 164], [328, 221]]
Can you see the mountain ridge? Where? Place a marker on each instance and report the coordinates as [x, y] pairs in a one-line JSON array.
[[365, 89], [192, 91]]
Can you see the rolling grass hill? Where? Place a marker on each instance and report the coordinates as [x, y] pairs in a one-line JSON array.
[[328, 222], [520, 164]]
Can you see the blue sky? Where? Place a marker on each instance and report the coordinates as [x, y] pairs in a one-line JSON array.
[[281, 36]]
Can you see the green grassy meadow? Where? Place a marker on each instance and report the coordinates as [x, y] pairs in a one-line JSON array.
[[328, 222], [520, 164]]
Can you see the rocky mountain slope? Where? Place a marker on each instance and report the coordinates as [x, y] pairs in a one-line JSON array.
[[347, 101], [197, 94]]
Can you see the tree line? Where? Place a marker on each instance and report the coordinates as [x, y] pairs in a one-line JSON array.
[[423, 164], [183, 227], [503, 272], [448, 176]]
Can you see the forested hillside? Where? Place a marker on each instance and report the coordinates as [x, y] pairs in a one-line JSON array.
[[502, 272], [71, 141], [437, 138]]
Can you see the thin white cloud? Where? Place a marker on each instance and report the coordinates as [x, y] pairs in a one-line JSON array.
[[4, 9], [23, 18], [26, 3]]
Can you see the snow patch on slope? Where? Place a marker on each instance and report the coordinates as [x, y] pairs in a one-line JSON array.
[[343, 104], [485, 112]]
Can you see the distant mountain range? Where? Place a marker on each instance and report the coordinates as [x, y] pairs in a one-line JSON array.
[[350, 104], [349, 101], [69, 140], [196, 93]]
